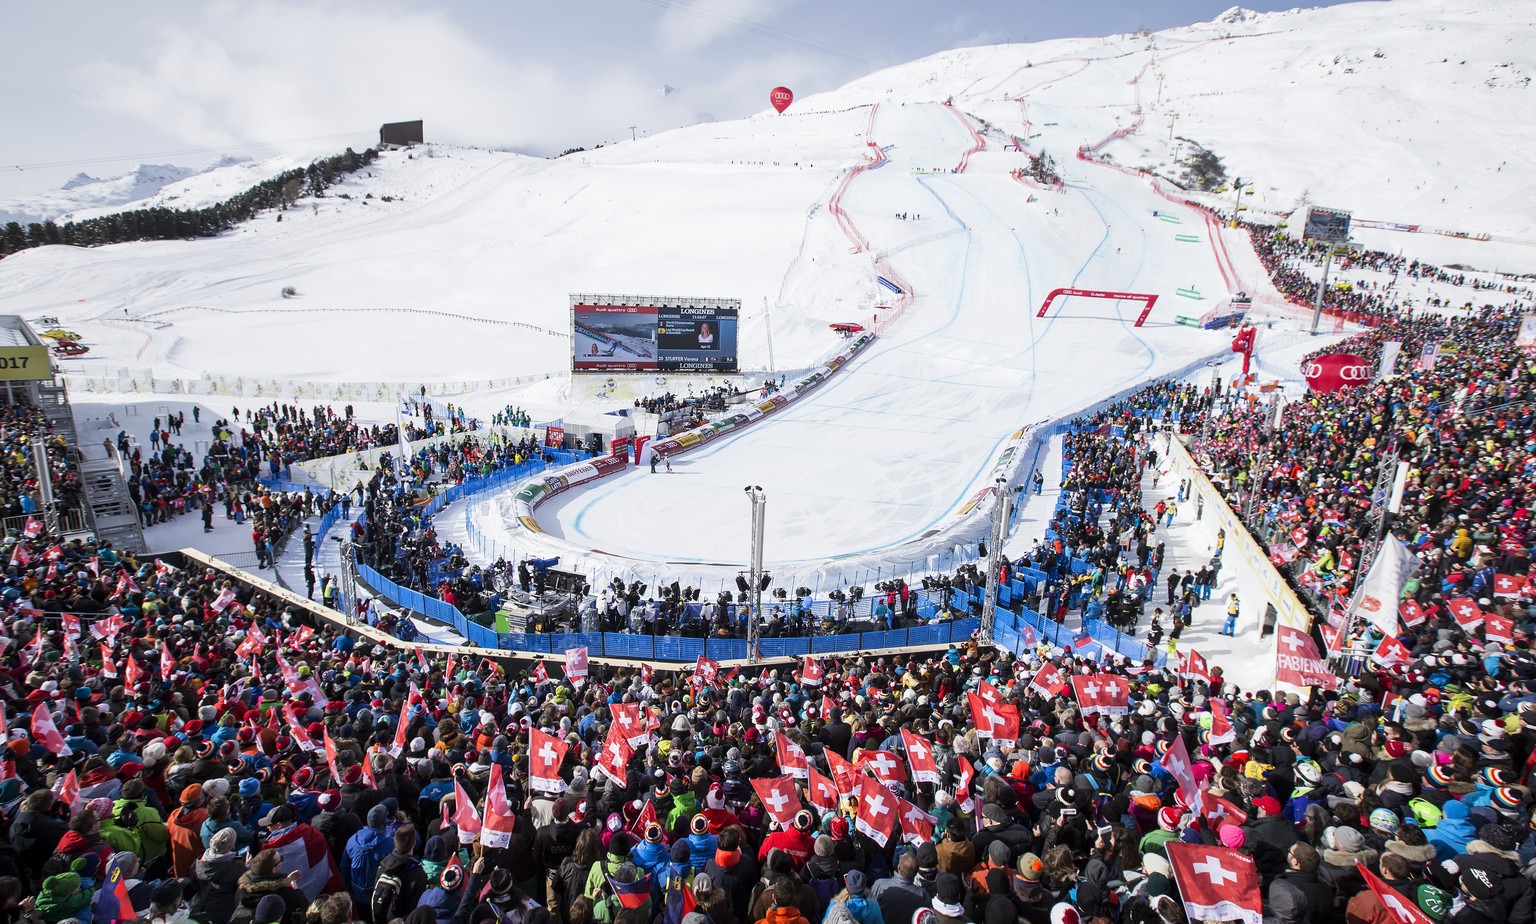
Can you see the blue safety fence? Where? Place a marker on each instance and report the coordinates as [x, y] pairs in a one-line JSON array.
[[290, 487]]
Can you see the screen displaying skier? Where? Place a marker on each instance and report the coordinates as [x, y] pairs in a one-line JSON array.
[[672, 335]]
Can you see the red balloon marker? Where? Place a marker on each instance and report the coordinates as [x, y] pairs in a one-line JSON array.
[[781, 97]]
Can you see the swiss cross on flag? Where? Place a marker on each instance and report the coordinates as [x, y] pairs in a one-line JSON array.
[[71, 625], [47, 734], [1466, 612], [33, 529], [886, 767], [576, 664], [540, 673], [614, 757], [780, 800], [989, 693], [645, 674], [1411, 612], [1401, 909], [876, 818], [134, 673], [920, 756], [1298, 663], [843, 775], [1217, 883], [822, 792], [706, 670], [916, 825], [1391, 651], [67, 790], [108, 666], [1196, 666], [1178, 765], [1508, 585], [1049, 680], [791, 756], [167, 661], [1498, 629], [1221, 724], [626, 718], [811, 672], [464, 814], [963, 789], [1102, 693], [1219, 811], [1332, 638], [1299, 536], [496, 826], [545, 754]]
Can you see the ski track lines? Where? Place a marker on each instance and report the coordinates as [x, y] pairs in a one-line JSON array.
[[825, 408]]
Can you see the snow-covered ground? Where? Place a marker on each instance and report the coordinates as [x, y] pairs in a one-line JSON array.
[[452, 265]]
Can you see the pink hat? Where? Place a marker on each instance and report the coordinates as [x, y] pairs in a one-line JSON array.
[[1231, 836]]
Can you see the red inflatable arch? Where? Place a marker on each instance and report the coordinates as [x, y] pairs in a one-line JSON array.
[[1147, 300]]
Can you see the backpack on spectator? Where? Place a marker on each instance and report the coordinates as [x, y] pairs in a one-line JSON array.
[[386, 895]]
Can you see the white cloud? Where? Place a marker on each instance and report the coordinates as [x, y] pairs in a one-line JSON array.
[[693, 24]]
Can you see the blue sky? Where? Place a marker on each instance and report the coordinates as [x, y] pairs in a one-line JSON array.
[[100, 86]]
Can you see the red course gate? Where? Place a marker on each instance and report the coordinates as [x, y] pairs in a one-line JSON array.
[[1147, 300]]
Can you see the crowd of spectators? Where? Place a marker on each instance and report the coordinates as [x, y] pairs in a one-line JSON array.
[[22, 429]]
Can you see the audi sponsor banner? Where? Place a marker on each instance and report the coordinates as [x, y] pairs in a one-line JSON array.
[[1336, 370]]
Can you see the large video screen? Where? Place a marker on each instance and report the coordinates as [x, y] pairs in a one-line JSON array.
[[1327, 225], [669, 336]]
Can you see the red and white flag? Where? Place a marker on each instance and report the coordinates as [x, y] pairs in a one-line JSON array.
[[1333, 639], [645, 819], [1498, 629], [626, 718], [1176, 761], [421, 658], [464, 814], [1217, 883], [1048, 681], [33, 529], [1391, 651], [876, 818], [46, 733], [613, 759], [645, 674], [989, 693], [1411, 613], [398, 747], [1400, 908], [916, 825], [1508, 585], [134, 673], [540, 673], [1219, 811], [296, 728], [71, 625], [1221, 724], [920, 758], [223, 600], [780, 800], [67, 791], [1298, 663], [844, 776], [811, 672], [885, 766], [822, 792], [576, 665], [1104, 693], [21, 556], [963, 789], [496, 827], [167, 661], [545, 754], [1196, 667], [108, 665], [996, 720], [705, 670], [1466, 612], [791, 757]]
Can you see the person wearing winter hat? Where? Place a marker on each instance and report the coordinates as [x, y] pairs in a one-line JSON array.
[[1270, 835], [217, 874], [948, 900], [184, 828], [1230, 836], [61, 898], [1451, 836], [364, 852], [1169, 820]]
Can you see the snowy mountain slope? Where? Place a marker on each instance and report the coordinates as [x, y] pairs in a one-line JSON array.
[[87, 192], [207, 186]]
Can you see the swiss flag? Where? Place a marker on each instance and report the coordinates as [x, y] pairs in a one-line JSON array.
[[822, 792], [1401, 909], [1391, 651], [1298, 663], [1221, 724], [1411, 612], [21, 556], [780, 800], [613, 760], [705, 670], [916, 825], [464, 814], [296, 728], [576, 664], [1498, 629], [1217, 883], [1299, 536], [999, 720], [405, 723], [626, 718], [1178, 765], [67, 790], [645, 674], [811, 672], [540, 673], [645, 819], [844, 776], [1466, 612], [167, 661], [108, 666], [989, 693], [1219, 811], [47, 734], [33, 529], [963, 789], [876, 818], [223, 600], [1102, 693], [1508, 585], [134, 673], [496, 827], [920, 757], [1195, 666], [545, 754], [71, 625], [791, 756], [421, 658], [1333, 639], [1049, 680], [254, 643], [886, 767]]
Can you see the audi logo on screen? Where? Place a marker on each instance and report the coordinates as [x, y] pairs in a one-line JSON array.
[[1336, 370]]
